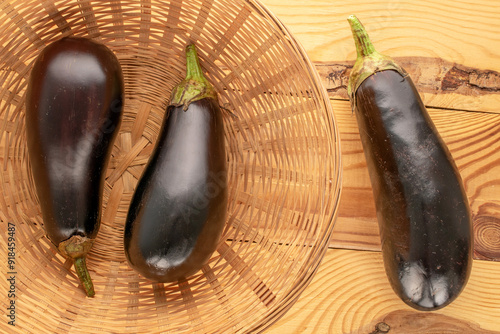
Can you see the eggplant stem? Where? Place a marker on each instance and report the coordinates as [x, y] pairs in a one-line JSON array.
[[84, 276], [77, 248], [364, 46], [195, 86], [193, 67], [368, 61]]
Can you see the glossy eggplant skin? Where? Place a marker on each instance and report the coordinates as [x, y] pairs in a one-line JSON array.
[[423, 212], [422, 209], [178, 209], [73, 113]]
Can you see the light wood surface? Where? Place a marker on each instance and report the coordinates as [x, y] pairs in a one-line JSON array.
[[350, 294], [452, 51]]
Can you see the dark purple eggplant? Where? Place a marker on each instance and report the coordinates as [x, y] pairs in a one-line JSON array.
[[73, 112], [422, 209], [178, 209]]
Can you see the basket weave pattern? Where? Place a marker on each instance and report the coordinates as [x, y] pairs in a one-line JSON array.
[[283, 167]]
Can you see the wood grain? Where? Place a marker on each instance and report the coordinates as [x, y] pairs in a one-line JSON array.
[[407, 322], [441, 84], [351, 294], [449, 48], [466, 32]]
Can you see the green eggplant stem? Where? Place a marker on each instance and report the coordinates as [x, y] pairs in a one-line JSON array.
[[364, 46], [193, 67], [77, 248], [84, 276], [369, 60], [195, 86]]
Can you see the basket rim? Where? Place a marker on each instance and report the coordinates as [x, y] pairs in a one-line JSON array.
[[279, 310]]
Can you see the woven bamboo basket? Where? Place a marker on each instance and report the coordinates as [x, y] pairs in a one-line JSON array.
[[282, 152]]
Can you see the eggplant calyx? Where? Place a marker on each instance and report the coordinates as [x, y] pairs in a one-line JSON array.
[[77, 248], [195, 86], [369, 60]]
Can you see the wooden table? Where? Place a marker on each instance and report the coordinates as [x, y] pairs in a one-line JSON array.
[[452, 51]]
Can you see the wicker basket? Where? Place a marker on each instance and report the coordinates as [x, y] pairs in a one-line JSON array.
[[282, 151]]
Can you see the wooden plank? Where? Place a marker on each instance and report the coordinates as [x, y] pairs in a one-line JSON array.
[[465, 32], [351, 294], [474, 141], [448, 47]]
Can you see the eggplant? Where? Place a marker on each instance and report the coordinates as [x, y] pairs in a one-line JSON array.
[[422, 209], [178, 210], [73, 112]]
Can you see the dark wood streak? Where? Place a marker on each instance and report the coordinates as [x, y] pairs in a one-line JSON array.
[[431, 75], [409, 322], [454, 78], [460, 76]]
